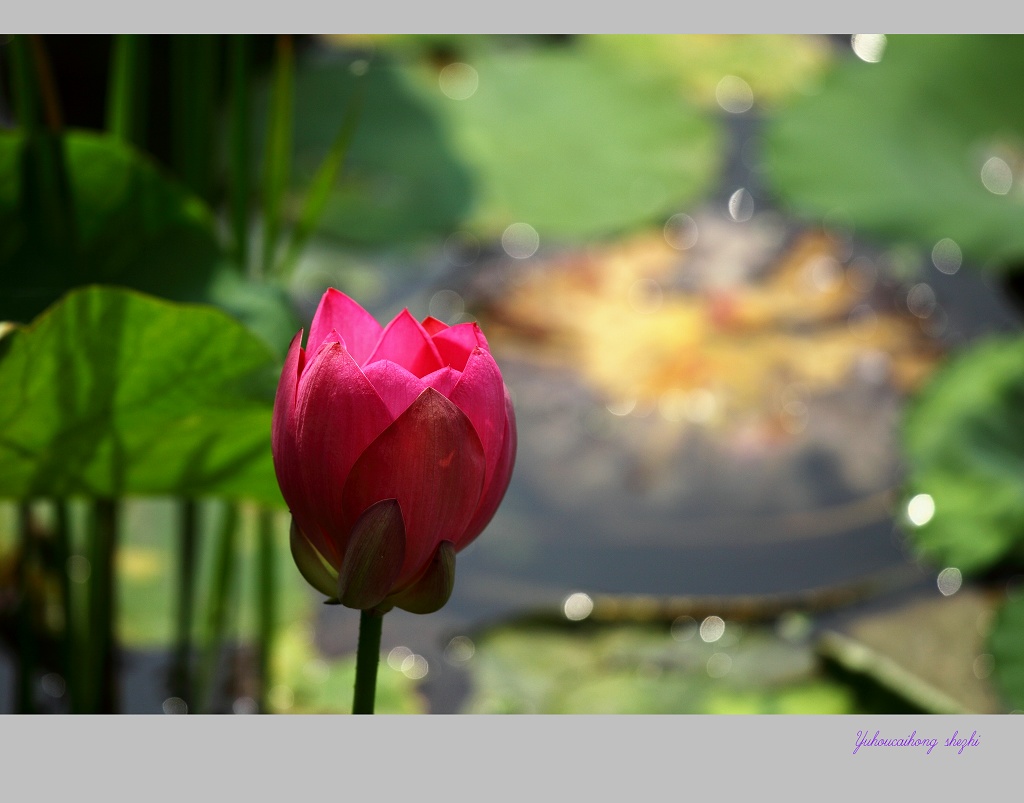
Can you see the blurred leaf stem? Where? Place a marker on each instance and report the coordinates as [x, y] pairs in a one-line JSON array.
[[126, 96], [188, 537], [27, 637], [45, 186], [220, 591], [267, 603], [69, 635], [239, 165], [194, 84], [323, 182], [277, 160], [102, 550]]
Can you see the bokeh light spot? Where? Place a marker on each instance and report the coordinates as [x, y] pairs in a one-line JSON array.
[[681, 232], [741, 205], [921, 509], [415, 667], [622, 407], [949, 581], [458, 81], [175, 705], [520, 241], [947, 256], [734, 94], [921, 300], [244, 705], [397, 657], [459, 650], [578, 606], [869, 47], [997, 176], [712, 628]]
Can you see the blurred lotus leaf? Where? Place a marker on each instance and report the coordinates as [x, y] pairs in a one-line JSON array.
[[925, 145], [110, 392], [1007, 652], [965, 444], [774, 67], [569, 143], [132, 225], [634, 669]]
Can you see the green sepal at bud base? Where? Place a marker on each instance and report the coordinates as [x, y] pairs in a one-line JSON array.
[[311, 564], [434, 587], [373, 557]]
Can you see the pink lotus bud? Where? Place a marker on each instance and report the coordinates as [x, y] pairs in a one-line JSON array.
[[393, 448]]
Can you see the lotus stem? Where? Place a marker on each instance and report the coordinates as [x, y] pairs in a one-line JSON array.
[[367, 660]]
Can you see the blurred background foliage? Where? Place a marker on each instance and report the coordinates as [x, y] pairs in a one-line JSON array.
[[171, 208]]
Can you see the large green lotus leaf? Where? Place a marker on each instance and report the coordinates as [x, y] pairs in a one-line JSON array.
[[775, 66], [637, 669], [574, 145], [898, 147], [964, 439], [401, 181], [133, 226], [111, 392], [1006, 642]]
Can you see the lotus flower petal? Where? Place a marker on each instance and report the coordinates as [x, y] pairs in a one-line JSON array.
[[395, 385], [497, 484], [434, 587], [373, 556], [358, 328], [480, 394], [311, 564], [432, 325], [456, 343], [339, 414], [430, 460], [407, 343]]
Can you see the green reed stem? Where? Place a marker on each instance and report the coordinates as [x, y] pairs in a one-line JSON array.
[[27, 637], [126, 96], [61, 554], [277, 159], [222, 583], [323, 182], [102, 690], [23, 85], [266, 589], [194, 96], [239, 167], [45, 196], [367, 659], [188, 538]]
